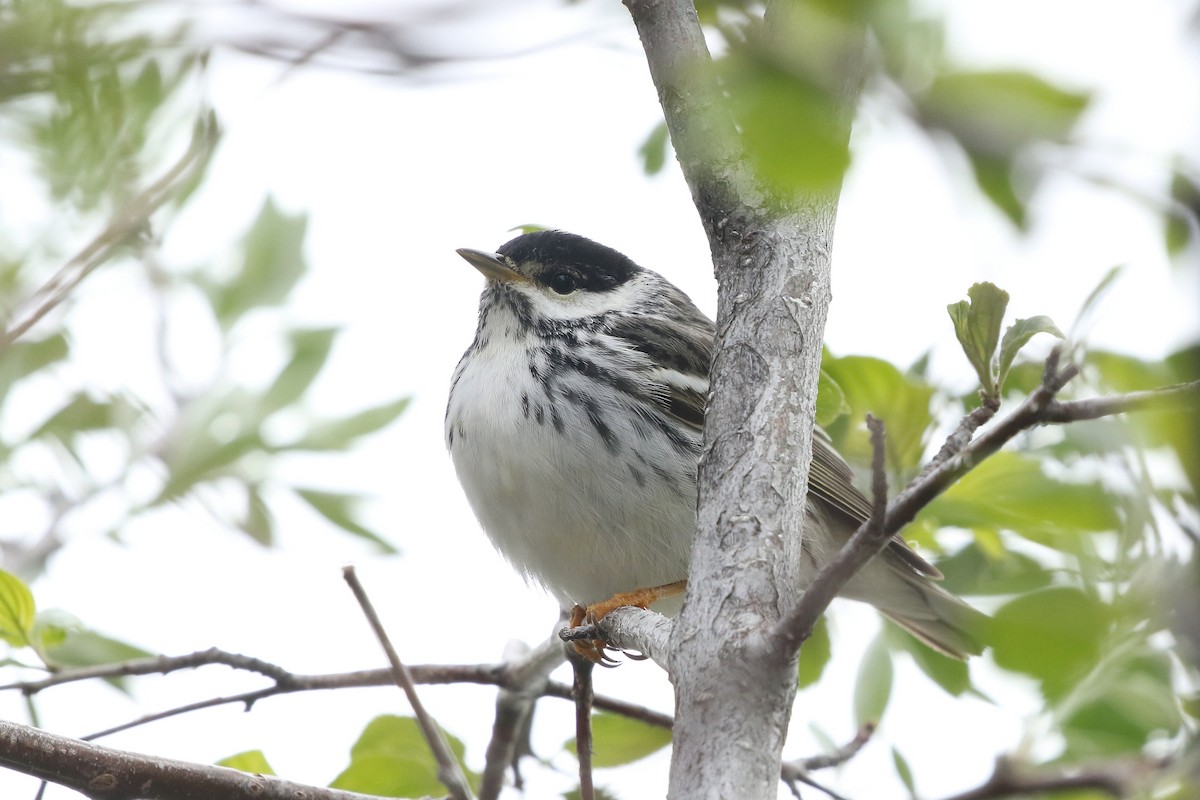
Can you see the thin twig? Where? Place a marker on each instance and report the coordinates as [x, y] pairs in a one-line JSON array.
[[795, 772], [449, 771], [1115, 778], [128, 221], [871, 537], [582, 668], [529, 671], [1180, 397]]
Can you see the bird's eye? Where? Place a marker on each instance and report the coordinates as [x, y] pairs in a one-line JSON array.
[[563, 283]]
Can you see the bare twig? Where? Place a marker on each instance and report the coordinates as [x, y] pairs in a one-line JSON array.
[[132, 218], [1180, 397], [449, 771], [97, 771], [871, 537], [796, 772], [1115, 778], [582, 668], [530, 673]]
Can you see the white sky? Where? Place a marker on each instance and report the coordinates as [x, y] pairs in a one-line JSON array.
[[396, 176]]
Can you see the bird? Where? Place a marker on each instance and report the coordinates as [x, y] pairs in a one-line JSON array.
[[575, 424]]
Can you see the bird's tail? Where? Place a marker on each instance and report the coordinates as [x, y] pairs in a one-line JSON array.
[[940, 620]]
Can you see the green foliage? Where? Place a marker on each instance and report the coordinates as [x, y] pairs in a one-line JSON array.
[[391, 759], [252, 761], [814, 655], [977, 324], [619, 740], [994, 116], [873, 386], [16, 611], [873, 684]]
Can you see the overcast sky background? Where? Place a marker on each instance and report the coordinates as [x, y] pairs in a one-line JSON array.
[[395, 175]]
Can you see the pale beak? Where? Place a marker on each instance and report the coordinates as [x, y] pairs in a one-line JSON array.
[[492, 265]]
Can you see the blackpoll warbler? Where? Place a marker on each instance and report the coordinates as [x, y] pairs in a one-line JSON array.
[[575, 424]]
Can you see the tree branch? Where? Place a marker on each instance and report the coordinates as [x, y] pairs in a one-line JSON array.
[[628, 628], [103, 772], [1179, 397], [1118, 779], [450, 772]]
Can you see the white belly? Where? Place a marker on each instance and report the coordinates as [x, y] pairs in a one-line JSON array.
[[583, 517]]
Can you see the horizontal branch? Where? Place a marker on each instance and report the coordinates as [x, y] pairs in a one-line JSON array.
[[97, 771], [1180, 397], [1117, 779]]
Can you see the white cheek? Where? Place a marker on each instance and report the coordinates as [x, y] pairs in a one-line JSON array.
[[580, 304]]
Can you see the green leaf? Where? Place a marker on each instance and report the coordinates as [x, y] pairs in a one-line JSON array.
[[873, 685], [258, 522], [977, 326], [1183, 215], [871, 385], [85, 648], [17, 611], [904, 772], [272, 262], [814, 655], [1055, 635], [310, 350], [1012, 491], [338, 508], [339, 434], [654, 150], [994, 175], [791, 125], [1016, 337], [1123, 707], [620, 740], [252, 761], [392, 759], [24, 358], [83, 413], [831, 400], [1093, 299], [949, 673], [978, 571], [995, 113]]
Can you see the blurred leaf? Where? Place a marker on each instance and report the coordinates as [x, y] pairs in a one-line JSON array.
[[831, 400], [258, 522], [338, 508], [1183, 217], [871, 385], [790, 125], [339, 434], [252, 761], [83, 413], [310, 350], [994, 175], [620, 740], [1013, 492], [27, 357], [598, 792], [814, 655], [17, 611], [949, 673], [873, 685], [529, 227], [904, 772], [654, 150], [1016, 337], [994, 113], [210, 437], [1092, 301], [392, 759], [272, 263], [1054, 635], [84, 648], [1124, 706], [977, 325], [973, 570]]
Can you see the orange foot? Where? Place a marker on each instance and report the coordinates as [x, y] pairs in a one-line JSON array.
[[593, 649]]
